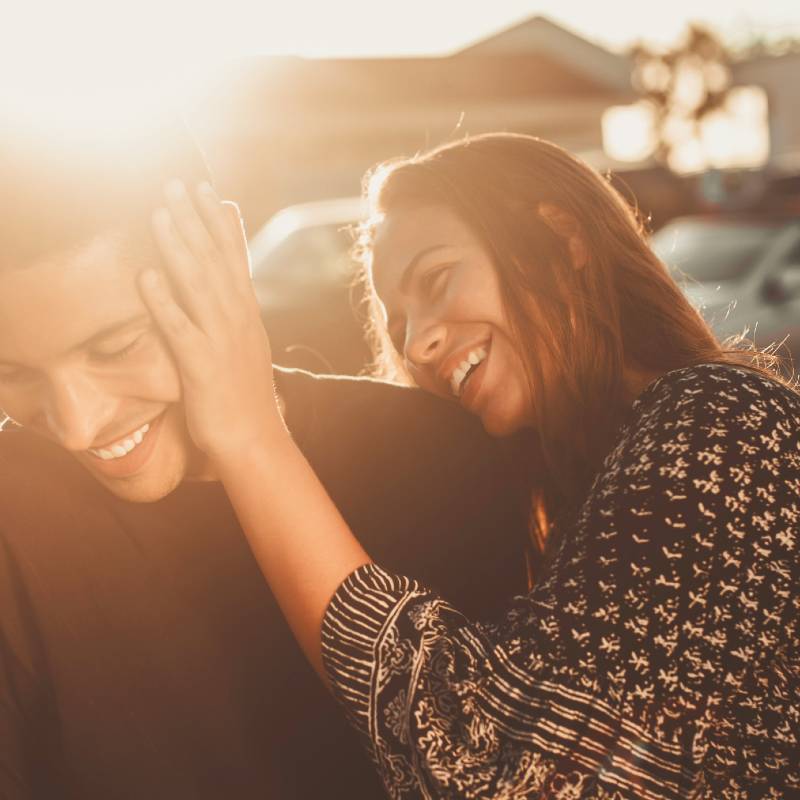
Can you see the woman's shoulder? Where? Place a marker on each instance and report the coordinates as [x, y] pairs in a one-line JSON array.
[[707, 424], [708, 391]]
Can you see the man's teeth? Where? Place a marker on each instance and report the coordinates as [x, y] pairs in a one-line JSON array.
[[462, 370], [123, 446]]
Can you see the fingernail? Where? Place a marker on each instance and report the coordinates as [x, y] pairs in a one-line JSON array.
[[206, 188]]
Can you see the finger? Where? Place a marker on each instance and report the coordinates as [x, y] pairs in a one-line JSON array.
[[190, 225], [242, 268], [226, 226], [212, 211], [191, 283], [181, 334]]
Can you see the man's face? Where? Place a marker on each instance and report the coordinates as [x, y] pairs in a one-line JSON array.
[[82, 365]]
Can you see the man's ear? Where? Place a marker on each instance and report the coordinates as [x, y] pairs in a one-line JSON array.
[[567, 227]]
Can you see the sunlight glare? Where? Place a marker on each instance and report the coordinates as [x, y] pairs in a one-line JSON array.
[[628, 132]]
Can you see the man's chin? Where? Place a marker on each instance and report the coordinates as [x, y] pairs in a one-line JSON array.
[[140, 490], [171, 458], [154, 482]]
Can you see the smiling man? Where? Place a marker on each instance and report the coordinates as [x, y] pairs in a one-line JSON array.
[[91, 374], [141, 653]]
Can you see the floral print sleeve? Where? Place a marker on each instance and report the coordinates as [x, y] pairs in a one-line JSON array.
[[656, 658]]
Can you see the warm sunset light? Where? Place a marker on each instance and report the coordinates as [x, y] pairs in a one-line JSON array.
[[738, 135], [436, 357], [735, 136], [628, 133], [98, 63]]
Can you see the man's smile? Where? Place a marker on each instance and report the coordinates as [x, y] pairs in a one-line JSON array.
[[127, 455], [121, 446]]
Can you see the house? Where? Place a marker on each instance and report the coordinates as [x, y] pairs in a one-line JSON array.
[[281, 130], [778, 76]]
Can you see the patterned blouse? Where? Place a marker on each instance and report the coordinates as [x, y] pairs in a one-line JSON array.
[[657, 657]]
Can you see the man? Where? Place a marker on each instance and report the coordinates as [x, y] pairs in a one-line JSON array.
[[141, 653]]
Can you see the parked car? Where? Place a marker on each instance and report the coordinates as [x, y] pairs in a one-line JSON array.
[[304, 278], [741, 271]]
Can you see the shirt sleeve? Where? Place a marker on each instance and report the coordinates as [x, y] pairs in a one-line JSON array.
[[653, 659]]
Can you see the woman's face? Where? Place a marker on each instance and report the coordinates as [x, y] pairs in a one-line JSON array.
[[441, 296]]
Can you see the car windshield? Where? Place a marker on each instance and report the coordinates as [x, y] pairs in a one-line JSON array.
[[712, 250]]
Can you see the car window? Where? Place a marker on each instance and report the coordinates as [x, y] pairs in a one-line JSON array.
[[792, 258], [315, 256], [711, 251]]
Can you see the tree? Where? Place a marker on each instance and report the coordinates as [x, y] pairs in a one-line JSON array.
[[682, 87]]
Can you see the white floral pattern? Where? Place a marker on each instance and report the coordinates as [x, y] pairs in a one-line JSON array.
[[657, 657]]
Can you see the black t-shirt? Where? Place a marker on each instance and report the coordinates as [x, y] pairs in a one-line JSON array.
[[141, 652]]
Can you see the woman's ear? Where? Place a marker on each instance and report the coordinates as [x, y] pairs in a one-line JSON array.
[[567, 227]]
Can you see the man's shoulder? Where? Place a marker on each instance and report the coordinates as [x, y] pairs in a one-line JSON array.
[[366, 405], [301, 385], [22, 452], [39, 481]]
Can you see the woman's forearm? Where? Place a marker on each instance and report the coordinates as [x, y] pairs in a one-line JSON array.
[[303, 545], [209, 316]]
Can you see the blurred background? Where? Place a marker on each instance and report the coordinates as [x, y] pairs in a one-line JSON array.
[[690, 109]]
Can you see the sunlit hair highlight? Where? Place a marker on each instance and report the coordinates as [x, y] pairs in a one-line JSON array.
[[622, 309]]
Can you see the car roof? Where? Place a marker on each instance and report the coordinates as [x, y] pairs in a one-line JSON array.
[[334, 211], [740, 216]]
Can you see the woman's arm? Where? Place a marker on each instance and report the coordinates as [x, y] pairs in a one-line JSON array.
[[303, 546], [206, 309], [657, 654]]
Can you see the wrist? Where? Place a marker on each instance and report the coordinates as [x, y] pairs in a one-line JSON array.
[[268, 447]]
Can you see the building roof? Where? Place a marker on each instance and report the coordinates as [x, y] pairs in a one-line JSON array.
[[540, 36]]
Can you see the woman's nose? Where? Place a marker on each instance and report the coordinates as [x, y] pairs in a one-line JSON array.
[[424, 342]]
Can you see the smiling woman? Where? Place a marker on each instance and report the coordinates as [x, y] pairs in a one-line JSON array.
[[547, 269]]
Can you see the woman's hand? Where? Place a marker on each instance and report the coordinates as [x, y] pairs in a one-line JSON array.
[[211, 322], [207, 311]]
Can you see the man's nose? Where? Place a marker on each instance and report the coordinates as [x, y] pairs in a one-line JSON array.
[[75, 411], [424, 342]]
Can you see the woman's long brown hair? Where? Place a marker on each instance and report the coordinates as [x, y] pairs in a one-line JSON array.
[[622, 310]]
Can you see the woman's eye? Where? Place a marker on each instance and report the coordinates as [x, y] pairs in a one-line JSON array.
[[434, 281]]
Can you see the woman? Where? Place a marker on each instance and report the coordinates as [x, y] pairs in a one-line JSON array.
[[656, 654]]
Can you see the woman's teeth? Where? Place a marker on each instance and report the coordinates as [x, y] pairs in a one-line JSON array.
[[465, 368], [123, 446]]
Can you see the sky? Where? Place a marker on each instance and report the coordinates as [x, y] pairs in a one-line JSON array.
[[174, 29], [50, 50]]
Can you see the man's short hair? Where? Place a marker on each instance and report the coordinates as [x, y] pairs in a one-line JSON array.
[[59, 192]]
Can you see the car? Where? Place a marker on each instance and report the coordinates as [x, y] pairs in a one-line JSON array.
[[307, 286], [741, 270]]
